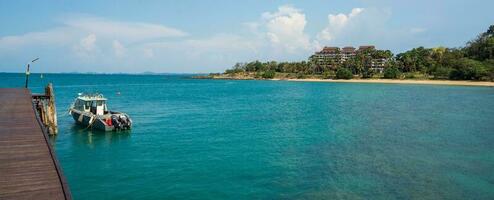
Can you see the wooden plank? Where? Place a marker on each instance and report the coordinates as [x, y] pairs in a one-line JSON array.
[[28, 166]]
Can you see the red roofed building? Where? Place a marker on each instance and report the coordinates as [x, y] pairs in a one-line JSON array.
[[327, 57], [347, 53], [331, 57]]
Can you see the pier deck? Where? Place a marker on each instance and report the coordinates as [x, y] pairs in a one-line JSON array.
[[28, 166]]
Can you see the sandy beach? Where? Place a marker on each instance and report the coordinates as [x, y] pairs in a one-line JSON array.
[[381, 81], [391, 81]]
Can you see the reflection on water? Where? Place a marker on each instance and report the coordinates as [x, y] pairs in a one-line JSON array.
[[53, 140], [93, 138]]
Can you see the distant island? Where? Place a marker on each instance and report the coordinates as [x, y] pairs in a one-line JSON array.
[[473, 62]]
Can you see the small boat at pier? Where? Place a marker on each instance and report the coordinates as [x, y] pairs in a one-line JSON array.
[[90, 110]]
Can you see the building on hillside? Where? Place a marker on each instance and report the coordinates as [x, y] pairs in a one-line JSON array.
[[378, 64], [327, 57], [331, 57], [363, 48], [347, 53]]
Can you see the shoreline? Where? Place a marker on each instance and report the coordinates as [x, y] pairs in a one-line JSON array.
[[371, 81], [394, 81]]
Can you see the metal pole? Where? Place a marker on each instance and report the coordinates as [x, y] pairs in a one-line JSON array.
[[27, 75], [27, 71]]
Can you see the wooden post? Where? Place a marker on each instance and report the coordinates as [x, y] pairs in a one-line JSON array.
[[27, 75], [50, 111]]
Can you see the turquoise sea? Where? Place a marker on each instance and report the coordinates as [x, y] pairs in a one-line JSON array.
[[221, 139]]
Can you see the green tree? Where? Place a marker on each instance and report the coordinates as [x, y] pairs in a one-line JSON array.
[[328, 74], [475, 61], [344, 73], [368, 73], [441, 72], [482, 48], [269, 74], [468, 69], [391, 73], [272, 65], [417, 59]]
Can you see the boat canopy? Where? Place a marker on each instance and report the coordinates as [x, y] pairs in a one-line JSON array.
[[94, 103], [91, 97]]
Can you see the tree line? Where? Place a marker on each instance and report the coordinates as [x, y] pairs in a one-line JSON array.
[[474, 61]]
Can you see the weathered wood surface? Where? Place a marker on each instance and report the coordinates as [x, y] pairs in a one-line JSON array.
[[45, 105], [28, 166], [51, 111]]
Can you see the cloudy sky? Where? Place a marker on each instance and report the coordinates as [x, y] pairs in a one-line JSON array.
[[210, 36]]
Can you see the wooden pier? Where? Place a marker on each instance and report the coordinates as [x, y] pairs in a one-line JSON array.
[[28, 166]]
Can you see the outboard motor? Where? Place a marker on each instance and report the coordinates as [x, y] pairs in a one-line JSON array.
[[124, 120], [116, 122]]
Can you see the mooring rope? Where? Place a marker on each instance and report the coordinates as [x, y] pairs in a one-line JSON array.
[[91, 120]]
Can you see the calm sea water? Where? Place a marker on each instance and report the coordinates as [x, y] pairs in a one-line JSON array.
[[219, 139]]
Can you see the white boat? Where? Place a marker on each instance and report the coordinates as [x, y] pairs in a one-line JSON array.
[[90, 110]]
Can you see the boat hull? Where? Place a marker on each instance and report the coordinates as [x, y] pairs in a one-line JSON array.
[[86, 121]]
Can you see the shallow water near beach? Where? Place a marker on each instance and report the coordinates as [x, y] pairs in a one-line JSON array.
[[221, 139]]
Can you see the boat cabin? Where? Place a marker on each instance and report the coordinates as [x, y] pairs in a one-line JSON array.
[[95, 104]]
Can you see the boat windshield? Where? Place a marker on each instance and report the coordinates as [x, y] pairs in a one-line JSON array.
[[87, 105], [98, 107], [95, 106]]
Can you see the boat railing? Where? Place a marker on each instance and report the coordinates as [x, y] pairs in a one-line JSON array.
[[91, 95]]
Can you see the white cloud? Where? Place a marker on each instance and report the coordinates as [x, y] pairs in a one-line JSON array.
[[337, 23], [285, 28], [74, 28], [118, 48], [86, 47], [126, 31], [56, 36], [278, 35], [217, 46], [92, 42], [370, 26], [89, 42]]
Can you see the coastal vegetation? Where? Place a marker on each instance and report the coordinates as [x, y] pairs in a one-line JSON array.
[[474, 61], [344, 73]]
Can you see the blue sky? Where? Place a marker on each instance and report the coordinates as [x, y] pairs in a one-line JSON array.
[[210, 36]]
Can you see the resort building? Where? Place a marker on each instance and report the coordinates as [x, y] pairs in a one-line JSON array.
[[331, 57], [327, 57], [363, 48], [378, 64], [347, 53]]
